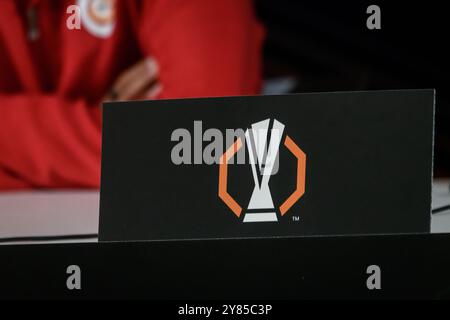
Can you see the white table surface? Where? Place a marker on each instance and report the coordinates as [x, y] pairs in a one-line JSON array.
[[440, 223], [60, 213], [49, 213]]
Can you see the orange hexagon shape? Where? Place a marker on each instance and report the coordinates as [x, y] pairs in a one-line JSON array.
[[288, 203]]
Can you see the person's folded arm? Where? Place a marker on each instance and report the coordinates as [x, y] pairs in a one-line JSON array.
[[203, 47], [47, 141]]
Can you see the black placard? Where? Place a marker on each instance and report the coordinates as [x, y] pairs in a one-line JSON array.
[[363, 159]]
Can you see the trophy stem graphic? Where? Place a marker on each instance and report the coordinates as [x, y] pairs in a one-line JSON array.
[[263, 156]]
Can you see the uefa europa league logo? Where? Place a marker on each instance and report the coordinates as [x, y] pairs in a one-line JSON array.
[[263, 142]]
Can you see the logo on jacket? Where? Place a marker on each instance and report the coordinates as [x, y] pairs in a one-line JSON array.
[[98, 16], [263, 145]]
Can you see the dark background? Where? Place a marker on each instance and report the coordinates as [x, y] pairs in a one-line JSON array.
[[326, 46]]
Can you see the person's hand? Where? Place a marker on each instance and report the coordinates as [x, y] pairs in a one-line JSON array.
[[140, 81]]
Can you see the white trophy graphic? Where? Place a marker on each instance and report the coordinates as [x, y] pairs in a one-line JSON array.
[[263, 153]]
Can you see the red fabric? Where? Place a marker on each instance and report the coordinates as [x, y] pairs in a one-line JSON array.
[[50, 89]]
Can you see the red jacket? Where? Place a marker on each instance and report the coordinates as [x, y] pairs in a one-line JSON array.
[[51, 87]]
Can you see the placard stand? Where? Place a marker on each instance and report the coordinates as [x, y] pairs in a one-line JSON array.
[[406, 266]]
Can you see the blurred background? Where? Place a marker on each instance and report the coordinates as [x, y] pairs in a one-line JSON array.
[[53, 80], [60, 60], [314, 46]]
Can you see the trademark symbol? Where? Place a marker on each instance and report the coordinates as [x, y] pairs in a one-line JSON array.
[[296, 218]]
